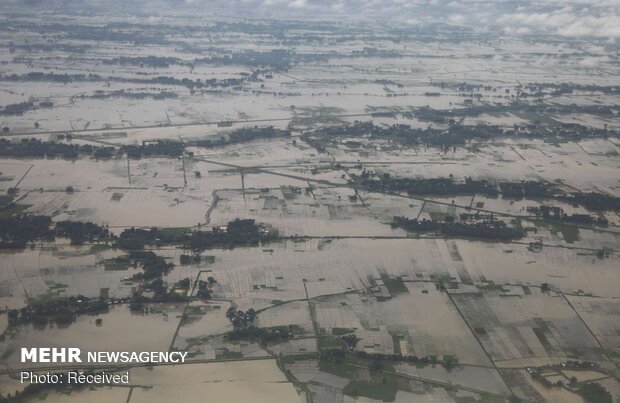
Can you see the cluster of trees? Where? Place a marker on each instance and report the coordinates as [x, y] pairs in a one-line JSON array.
[[161, 80], [36, 148], [518, 190], [60, 310], [594, 392], [100, 94], [162, 294], [557, 213], [432, 186], [190, 259], [273, 58], [594, 201], [237, 233], [455, 134], [452, 187], [538, 376], [203, 289], [183, 284], [46, 47], [569, 88], [149, 61], [244, 329], [240, 319], [153, 266], [17, 109], [54, 77], [450, 116], [338, 355], [490, 229], [16, 231], [350, 340], [79, 232], [261, 335], [244, 135], [153, 149], [534, 189]]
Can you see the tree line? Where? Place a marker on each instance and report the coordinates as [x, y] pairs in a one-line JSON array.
[[490, 229]]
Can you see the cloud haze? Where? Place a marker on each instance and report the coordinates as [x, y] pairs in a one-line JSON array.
[[567, 18]]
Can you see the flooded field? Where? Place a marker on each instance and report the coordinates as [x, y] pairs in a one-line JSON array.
[[159, 321], [257, 381]]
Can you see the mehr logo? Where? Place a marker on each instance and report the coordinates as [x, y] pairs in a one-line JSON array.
[[47, 354]]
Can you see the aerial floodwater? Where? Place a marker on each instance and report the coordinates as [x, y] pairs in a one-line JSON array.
[[309, 201]]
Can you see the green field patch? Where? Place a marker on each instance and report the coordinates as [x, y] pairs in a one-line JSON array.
[[230, 354], [100, 247], [569, 232], [117, 263], [104, 293], [289, 359], [7, 354], [56, 286], [327, 342], [378, 391], [394, 285], [339, 331], [340, 369]]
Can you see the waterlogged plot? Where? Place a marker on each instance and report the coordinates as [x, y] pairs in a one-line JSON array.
[[521, 384], [571, 270], [355, 384], [479, 378], [62, 270], [287, 270], [276, 153], [11, 384], [301, 347], [385, 207], [306, 211], [601, 315], [256, 381], [12, 172], [400, 323], [201, 321], [295, 314], [511, 160], [159, 322], [94, 395], [553, 395], [277, 271], [531, 329], [611, 385], [117, 192]]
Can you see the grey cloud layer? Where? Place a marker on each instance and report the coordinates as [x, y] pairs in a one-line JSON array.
[[569, 18]]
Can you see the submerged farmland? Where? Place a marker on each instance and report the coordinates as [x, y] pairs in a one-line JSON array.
[[314, 212]]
